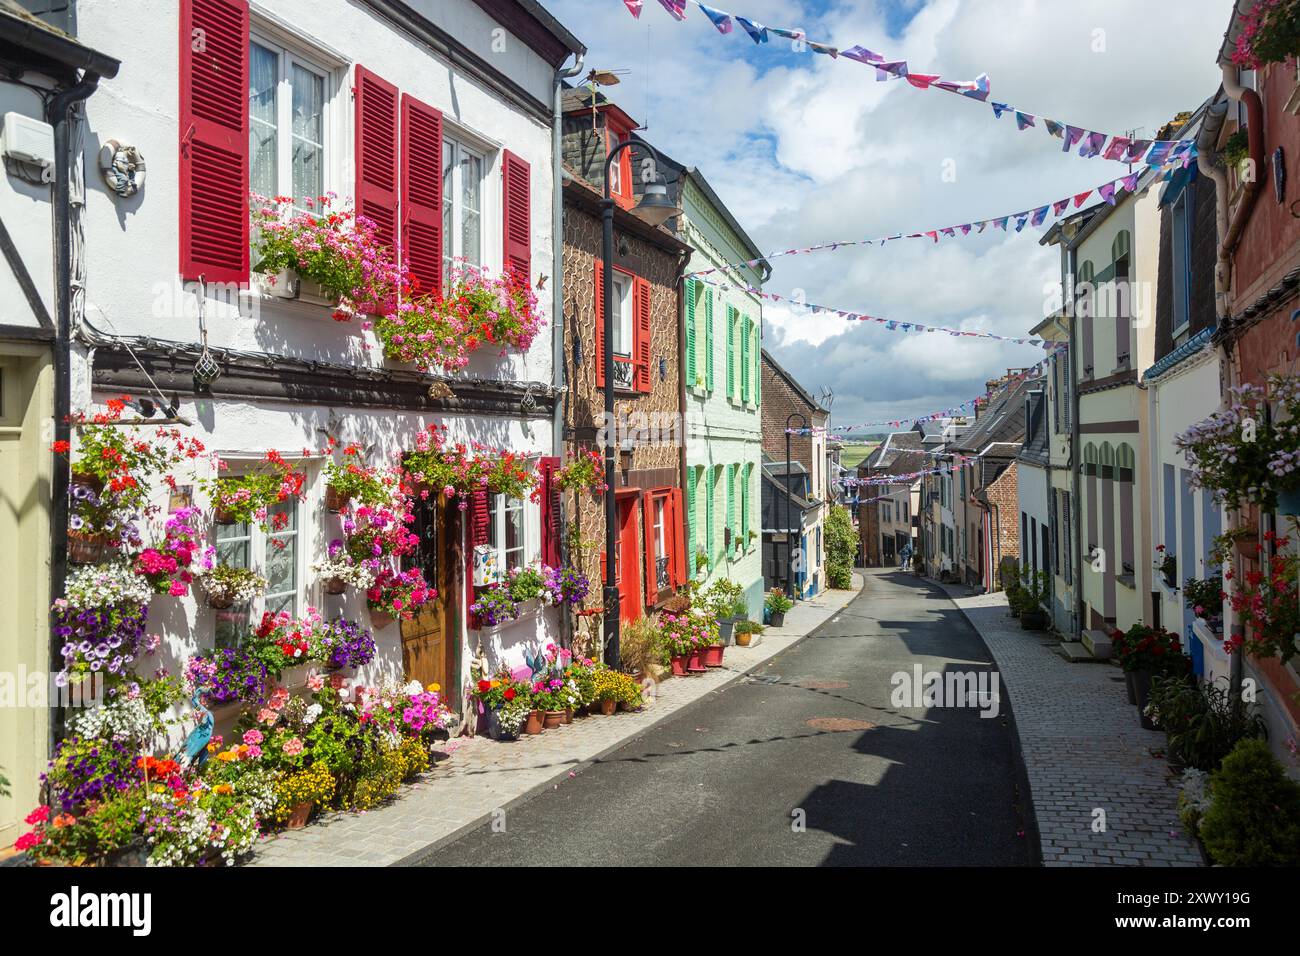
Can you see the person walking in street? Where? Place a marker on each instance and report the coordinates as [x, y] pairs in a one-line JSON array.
[[905, 557]]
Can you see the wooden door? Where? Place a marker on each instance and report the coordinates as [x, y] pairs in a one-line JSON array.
[[629, 565], [429, 638]]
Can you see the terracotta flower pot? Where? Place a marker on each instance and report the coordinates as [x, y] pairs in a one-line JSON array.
[[607, 707], [552, 719], [743, 638], [336, 586], [299, 816], [86, 548], [223, 516], [380, 619], [712, 656], [93, 482], [568, 715], [534, 724], [336, 501], [679, 665]]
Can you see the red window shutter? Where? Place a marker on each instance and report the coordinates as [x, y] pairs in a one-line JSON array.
[[516, 193], [604, 576], [376, 154], [422, 193], [600, 324], [550, 507], [677, 549], [478, 533], [641, 326], [214, 140], [648, 525]]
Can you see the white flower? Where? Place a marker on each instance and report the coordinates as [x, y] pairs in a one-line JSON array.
[[311, 714]]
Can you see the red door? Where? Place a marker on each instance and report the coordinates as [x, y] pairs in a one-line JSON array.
[[629, 565]]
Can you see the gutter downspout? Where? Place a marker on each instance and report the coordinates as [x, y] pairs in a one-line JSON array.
[[58, 114], [1076, 610], [558, 366], [1205, 164], [1250, 189]]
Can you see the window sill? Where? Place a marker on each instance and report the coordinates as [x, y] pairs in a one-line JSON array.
[[1128, 580], [289, 288], [528, 611]]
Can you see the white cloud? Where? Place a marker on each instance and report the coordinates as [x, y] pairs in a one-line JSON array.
[[807, 149]]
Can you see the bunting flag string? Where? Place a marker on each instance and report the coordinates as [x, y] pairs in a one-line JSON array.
[[1091, 143], [1110, 192], [892, 325], [956, 411]]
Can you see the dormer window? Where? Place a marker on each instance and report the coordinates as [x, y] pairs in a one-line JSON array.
[[617, 132]]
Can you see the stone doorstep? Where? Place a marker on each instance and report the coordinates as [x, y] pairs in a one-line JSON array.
[[1077, 653], [1098, 644]]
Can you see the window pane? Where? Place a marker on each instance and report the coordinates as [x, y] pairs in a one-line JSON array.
[[514, 534], [622, 314], [232, 544], [448, 201], [471, 175], [282, 562], [308, 134], [264, 77]]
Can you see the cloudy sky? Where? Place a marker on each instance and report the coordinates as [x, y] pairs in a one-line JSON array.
[[805, 149]]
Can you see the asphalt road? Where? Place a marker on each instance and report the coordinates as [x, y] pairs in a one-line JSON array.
[[730, 780]]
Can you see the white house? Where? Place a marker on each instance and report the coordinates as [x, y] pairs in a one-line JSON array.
[[436, 119]]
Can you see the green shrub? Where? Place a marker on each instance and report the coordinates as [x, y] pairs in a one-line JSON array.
[[1254, 819], [841, 548], [1201, 721]]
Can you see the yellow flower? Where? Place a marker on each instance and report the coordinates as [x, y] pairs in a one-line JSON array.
[[496, 683], [435, 687], [224, 789], [226, 756]]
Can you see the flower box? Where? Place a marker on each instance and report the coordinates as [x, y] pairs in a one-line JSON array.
[[287, 284]]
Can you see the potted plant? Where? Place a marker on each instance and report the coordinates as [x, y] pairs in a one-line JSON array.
[[494, 605], [340, 570], [1267, 604], [352, 480], [1205, 597], [1166, 564], [1201, 720], [250, 497], [776, 604], [745, 631], [227, 585], [1270, 33], [725, 601], [1032, 615], [1248, 452], [321, 255], [1148, 652]]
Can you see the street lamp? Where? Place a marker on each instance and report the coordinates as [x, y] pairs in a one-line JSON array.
[[654, 209], [789, 528]]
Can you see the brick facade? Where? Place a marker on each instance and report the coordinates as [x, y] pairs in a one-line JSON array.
[[654, 465]]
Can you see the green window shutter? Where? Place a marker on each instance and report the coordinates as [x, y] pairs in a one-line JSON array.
[[709, 484], [731, 503], [745, 374], [708, 343], [758, 361], [744, 506], [690, 333], [731, 353], [691, 521]]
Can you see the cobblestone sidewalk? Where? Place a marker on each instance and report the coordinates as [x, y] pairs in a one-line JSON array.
[[479, 775], [1084, 750]]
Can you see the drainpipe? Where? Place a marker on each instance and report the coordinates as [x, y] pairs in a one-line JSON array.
[[557, 296], [58, 114], [1229, 238], [1205, 163]]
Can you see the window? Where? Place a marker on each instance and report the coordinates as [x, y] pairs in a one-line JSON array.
[[288, 116], [1125, 463], [506, 531], [620, 174], [462, 205], [662, 575], [622, 315], [275, 555], [1179, 238]]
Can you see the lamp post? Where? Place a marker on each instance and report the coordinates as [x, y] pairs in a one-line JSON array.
[[789, 527], [654, 209]]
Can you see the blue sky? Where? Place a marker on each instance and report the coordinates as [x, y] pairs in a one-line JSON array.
[[805, 149]]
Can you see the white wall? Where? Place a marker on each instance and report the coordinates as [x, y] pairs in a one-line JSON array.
[[132, 250], [27, 214]]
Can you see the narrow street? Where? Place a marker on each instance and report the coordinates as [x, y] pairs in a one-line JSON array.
[[811, 731]]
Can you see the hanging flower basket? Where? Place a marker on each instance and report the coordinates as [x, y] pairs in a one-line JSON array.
[[337, 586], [221, 602], [84, 548], [335, 500], [381, 619]]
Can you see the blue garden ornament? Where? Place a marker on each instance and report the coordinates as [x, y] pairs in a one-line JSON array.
[[195, 751]]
